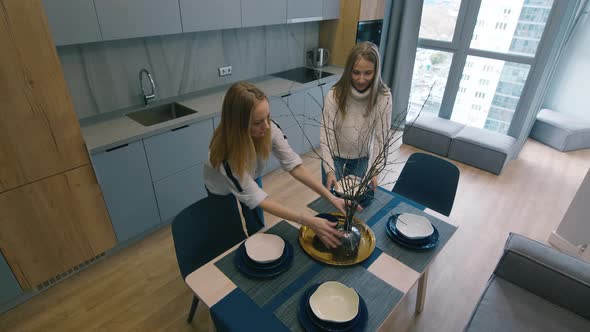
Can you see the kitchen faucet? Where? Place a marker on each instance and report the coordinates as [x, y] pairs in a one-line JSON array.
[[152, 95]]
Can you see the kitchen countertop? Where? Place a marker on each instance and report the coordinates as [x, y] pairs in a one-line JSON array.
[[112, 129]]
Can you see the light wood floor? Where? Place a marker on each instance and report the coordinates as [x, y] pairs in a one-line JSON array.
[[139, 288]]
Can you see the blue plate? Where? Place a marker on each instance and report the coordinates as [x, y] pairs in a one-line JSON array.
[[310, 322], [392, 224], [366, 200], [422, 244], [261, 266], [265, 273]]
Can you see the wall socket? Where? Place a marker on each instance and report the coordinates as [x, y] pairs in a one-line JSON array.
[[224, 71]]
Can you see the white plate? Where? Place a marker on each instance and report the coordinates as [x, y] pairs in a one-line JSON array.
[[264, 248], [351, 182], [413, 226], [334, 302]]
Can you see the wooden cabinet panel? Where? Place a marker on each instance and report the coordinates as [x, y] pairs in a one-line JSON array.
[[72, 21], [331, 9], [9, 287], [304, 10], [178, 149], [39, 132], [179, 190], [51, 225], [263, 12], [137, 18], [201, 15], [124, 177], [372, 10]]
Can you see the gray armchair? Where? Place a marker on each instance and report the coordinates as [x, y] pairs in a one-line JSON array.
[[534, 288]]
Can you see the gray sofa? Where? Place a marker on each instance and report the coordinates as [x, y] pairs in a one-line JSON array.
[[534, 288]]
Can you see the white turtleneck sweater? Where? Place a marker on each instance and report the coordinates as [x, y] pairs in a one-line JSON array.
[[354, 135]]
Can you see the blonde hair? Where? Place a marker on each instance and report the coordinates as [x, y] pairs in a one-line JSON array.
[[369, 52], [232, 140]]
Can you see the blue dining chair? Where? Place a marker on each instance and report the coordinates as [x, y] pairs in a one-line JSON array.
[[430, 181], [203, 231]]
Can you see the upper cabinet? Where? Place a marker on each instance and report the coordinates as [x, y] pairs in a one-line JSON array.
[[200, 15], [72, 21], [137, 18], [331, 9], [263, 12], [372, 10], [304, 10]]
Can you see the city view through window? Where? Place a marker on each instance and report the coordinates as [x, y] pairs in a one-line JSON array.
[[489, 88]]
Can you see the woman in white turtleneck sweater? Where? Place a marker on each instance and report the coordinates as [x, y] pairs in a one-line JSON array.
[[356, 117]]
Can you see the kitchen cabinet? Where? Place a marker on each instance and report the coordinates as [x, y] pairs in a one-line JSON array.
[[263, 12], [200, 15], [52, 225], [179, 190], [52, 213], [39, 131], [216, 121], [137, 18], [331, 9], [178, 148], [304, 10], [295, 138], [124, 177], [314, 102], [287, 110], [372, 10], [72, 21], [9, 287]]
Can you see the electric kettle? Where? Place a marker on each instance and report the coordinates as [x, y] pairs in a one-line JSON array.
[[318, 57]]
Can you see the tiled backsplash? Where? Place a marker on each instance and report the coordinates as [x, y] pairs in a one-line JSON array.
[[104, 76]]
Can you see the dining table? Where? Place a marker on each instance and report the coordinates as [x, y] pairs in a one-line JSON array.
[[237, 302]]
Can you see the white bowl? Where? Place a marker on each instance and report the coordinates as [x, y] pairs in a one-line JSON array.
[[334, 302], [264, 248], [413, 226]]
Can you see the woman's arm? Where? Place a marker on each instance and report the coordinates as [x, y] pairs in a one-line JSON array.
[[324, 229], [304, 176], [327, 138], [382, 126]]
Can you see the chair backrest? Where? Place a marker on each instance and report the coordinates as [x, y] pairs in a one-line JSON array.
[[204, 230], [430, 181]]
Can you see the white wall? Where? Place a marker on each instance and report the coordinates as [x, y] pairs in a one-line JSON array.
[[569, 89]]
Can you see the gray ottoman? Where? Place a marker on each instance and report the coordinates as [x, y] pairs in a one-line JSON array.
[[561, 131], [481, 148], [431, 133]]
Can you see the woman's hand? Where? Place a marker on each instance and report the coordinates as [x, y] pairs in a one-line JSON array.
[[325, 231], [373, 183], [330, 180]]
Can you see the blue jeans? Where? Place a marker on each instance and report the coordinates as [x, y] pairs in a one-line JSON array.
[[346, 167]]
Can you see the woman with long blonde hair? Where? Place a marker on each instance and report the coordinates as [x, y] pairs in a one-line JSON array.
[[356, 117], [239, 149]]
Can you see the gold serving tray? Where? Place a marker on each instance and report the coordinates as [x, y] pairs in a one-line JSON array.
[[366, 247]]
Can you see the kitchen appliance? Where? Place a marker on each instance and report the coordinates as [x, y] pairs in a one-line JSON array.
[[302, 74], [318, 57], [369, 31]]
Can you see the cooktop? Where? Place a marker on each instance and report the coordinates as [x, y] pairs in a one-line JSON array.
[[302, 74]]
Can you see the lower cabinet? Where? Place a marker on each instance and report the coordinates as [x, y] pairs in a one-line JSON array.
[[124, 177], [179, 190], [9, 287]]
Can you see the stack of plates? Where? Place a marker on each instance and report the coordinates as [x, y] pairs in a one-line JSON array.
[[412, 231], [332, 306], [351, 182], [264, 256]]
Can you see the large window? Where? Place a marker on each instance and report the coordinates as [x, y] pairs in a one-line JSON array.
[[475, 56]]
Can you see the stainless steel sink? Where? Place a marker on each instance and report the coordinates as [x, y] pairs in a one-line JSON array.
[[157, 114]]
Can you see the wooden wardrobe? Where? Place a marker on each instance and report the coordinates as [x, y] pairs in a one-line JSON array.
[[52, 213]]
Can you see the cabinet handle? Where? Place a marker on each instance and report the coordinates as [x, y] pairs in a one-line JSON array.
[[116, 147], [322, 84], [181, 127], [287, 95]]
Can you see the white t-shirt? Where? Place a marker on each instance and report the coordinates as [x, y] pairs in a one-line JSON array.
[[222, 181]]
